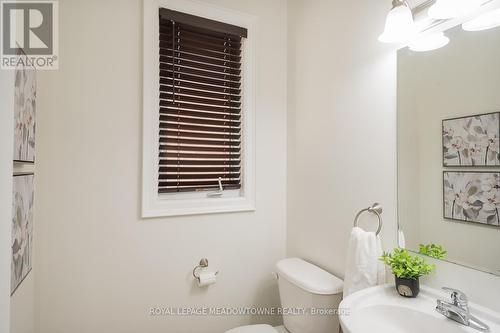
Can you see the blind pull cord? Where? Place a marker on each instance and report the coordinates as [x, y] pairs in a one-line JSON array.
[[217, 193]]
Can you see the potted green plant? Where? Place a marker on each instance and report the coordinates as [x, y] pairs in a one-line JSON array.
[[407, 269]]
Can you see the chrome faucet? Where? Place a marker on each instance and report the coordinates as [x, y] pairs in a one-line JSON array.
[[458, 310]]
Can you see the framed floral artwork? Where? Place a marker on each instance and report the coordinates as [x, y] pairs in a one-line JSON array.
[[22, 229], [472, 196], [472, 140], [24, 113]]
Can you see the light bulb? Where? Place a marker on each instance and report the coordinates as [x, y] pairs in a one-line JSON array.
[[484, 21], [429, 42], [399, 25]]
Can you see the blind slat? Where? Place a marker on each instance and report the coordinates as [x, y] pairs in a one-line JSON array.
[[200, 114], [200, 58], [195, 121], [206, 94], [166, 30], [185, 168], [197, 182], [200, 129], [190, 99], [199, 79], [174, 148], [203, 92], [199, 72], [196, 188], [179, 140], [188, 162], [208, 157], [190, 134], [180, 40], [179, 49], [201, 65], [194, 107], [200, 176], [170, 84]]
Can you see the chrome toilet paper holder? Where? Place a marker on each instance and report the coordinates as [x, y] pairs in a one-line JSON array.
[[203, 264]]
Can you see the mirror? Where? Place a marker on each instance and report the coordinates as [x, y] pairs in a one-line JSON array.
[[448, 150]]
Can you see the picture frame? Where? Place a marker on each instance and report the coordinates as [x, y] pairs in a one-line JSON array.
[[22, 231], [24, 112], [471, 141], [472, 196]]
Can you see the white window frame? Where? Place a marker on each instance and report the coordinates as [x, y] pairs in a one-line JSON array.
[[174, 204]]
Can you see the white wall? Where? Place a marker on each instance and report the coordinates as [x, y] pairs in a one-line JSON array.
[[100, 267], [22, 303], [6, 145], [342, 136], [341, 126]]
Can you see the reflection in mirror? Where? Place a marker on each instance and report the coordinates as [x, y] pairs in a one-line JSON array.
[[448, 149]]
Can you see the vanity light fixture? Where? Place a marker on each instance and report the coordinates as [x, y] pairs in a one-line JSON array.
[[399, 25], [429, 42], [448, 9], [488, 20]]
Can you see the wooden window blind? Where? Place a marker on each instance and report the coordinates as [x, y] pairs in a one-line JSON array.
[[200, 103]]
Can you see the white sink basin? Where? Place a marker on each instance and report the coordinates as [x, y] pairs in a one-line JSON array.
[[382, 310]]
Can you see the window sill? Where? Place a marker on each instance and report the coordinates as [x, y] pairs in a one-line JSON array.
[[166, 208]]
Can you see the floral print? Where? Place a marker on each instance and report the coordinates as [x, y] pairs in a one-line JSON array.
[[22, 229], [472, 196], [472, 141], [24, 114]]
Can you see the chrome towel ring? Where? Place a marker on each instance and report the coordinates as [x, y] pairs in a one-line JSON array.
[[376, 209]]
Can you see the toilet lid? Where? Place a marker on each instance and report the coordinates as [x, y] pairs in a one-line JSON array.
[[253, 329]]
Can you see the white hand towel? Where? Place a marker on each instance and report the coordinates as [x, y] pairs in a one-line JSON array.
[[401, 239], [363, 267]]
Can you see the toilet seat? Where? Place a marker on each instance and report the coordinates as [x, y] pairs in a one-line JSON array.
[[253, 329]]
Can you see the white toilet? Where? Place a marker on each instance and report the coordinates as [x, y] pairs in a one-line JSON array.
[[304, 286]]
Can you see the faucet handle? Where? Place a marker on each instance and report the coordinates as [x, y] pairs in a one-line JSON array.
[[458, 297]]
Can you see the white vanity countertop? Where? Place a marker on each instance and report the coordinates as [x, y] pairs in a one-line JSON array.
[[382, 310]]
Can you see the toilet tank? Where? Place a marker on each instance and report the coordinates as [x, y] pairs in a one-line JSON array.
[[310, 297]]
